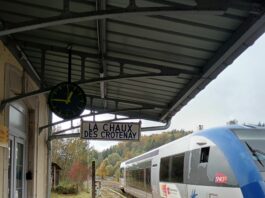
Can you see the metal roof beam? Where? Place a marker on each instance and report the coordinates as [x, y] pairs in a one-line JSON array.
[[90, 81], [68, 18], [144, 105], [22, 59], [102, 47], [95, 114], [59, 135], [111, 58]]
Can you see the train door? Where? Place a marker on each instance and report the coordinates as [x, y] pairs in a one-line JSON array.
[[155, 177], [171, 176]]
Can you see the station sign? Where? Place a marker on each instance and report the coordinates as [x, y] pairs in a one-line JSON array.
[[110, 131]]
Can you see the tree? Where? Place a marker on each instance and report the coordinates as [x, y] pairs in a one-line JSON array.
[[109, 170], [113, 158], [232, 122], [102, 169], [78, 173]]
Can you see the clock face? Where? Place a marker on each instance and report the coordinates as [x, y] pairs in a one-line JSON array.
[[67, 100]]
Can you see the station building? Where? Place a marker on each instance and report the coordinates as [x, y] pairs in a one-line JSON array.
[[23, 153]]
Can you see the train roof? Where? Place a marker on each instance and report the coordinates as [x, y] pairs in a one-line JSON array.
[[154, 152]]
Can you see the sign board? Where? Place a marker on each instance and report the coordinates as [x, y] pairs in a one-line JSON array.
[[4, 136], [110, 130]]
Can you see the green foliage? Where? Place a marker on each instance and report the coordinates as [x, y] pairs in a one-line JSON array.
[[66, 189], [67, 152], [117, 174], [113, 156], [109, 170]]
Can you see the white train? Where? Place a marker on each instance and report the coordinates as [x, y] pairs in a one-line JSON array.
[[227, 162]]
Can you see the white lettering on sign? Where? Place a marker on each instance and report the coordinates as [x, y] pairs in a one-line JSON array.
[[110, 130]]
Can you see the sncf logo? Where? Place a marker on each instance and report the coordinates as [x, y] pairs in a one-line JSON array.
[[165, 190], [220, 178]]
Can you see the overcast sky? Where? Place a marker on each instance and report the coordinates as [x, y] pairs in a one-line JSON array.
[[237, 93]]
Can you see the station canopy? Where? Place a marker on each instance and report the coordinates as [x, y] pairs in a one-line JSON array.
[[141, 58]]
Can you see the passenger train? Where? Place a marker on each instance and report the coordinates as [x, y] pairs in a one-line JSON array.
[[225, 162]]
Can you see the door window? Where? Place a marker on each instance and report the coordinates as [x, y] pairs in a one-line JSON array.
[[16, 162]]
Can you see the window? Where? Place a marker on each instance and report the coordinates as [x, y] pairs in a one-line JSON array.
[[171, 169], [138, 176], [177, 169], [204, 155], [164, 169], [148, 179], [121, 172]]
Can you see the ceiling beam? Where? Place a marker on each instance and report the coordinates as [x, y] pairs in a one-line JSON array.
[[68, 17], [22, 59], [102, 47], [90, 81], [110, 58], [132, 102]]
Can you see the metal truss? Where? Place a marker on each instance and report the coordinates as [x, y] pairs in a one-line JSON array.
[[68, 17], [169, 72], [62, 133]]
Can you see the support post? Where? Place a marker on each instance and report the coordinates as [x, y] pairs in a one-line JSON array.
[[93, 180]]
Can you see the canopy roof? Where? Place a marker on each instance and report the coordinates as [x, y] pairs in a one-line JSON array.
[[144, 58]]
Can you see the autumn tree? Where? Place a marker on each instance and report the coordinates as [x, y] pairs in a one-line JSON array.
[[78, 173], [101, 171], [66, 152]]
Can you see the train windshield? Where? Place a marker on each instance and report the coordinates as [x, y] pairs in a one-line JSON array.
[[254, 140]]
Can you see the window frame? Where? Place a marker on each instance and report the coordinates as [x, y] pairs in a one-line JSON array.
[[169, 172]]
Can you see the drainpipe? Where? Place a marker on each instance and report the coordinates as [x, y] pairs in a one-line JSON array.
[[157, 128]]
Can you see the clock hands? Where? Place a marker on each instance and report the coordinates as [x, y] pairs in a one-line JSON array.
[[66, 101], [59, 100]]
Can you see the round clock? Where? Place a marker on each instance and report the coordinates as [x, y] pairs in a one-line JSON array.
[[67, 100]]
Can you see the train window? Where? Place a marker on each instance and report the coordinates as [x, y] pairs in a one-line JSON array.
[[204, 154], [121, 172], [177, 166], [171, 169], [148, 179], [164, 169], [139, 176]]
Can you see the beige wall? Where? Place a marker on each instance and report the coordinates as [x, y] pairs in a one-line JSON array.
[[11, 83]]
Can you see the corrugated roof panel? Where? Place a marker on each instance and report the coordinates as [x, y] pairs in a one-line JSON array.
[[178, 28], [166, 61], [22, 8], [119, 27], [132, 45], [154, 45]]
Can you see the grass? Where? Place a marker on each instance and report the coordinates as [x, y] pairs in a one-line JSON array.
[[80, 195]]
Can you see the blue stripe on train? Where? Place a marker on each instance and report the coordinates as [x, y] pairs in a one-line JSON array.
[[254, 190], [242, 164]]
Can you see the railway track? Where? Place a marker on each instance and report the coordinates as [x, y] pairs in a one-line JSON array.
[[111, 189], [107, 192]]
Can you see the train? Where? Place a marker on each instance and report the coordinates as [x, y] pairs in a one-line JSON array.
[[223, 162]]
